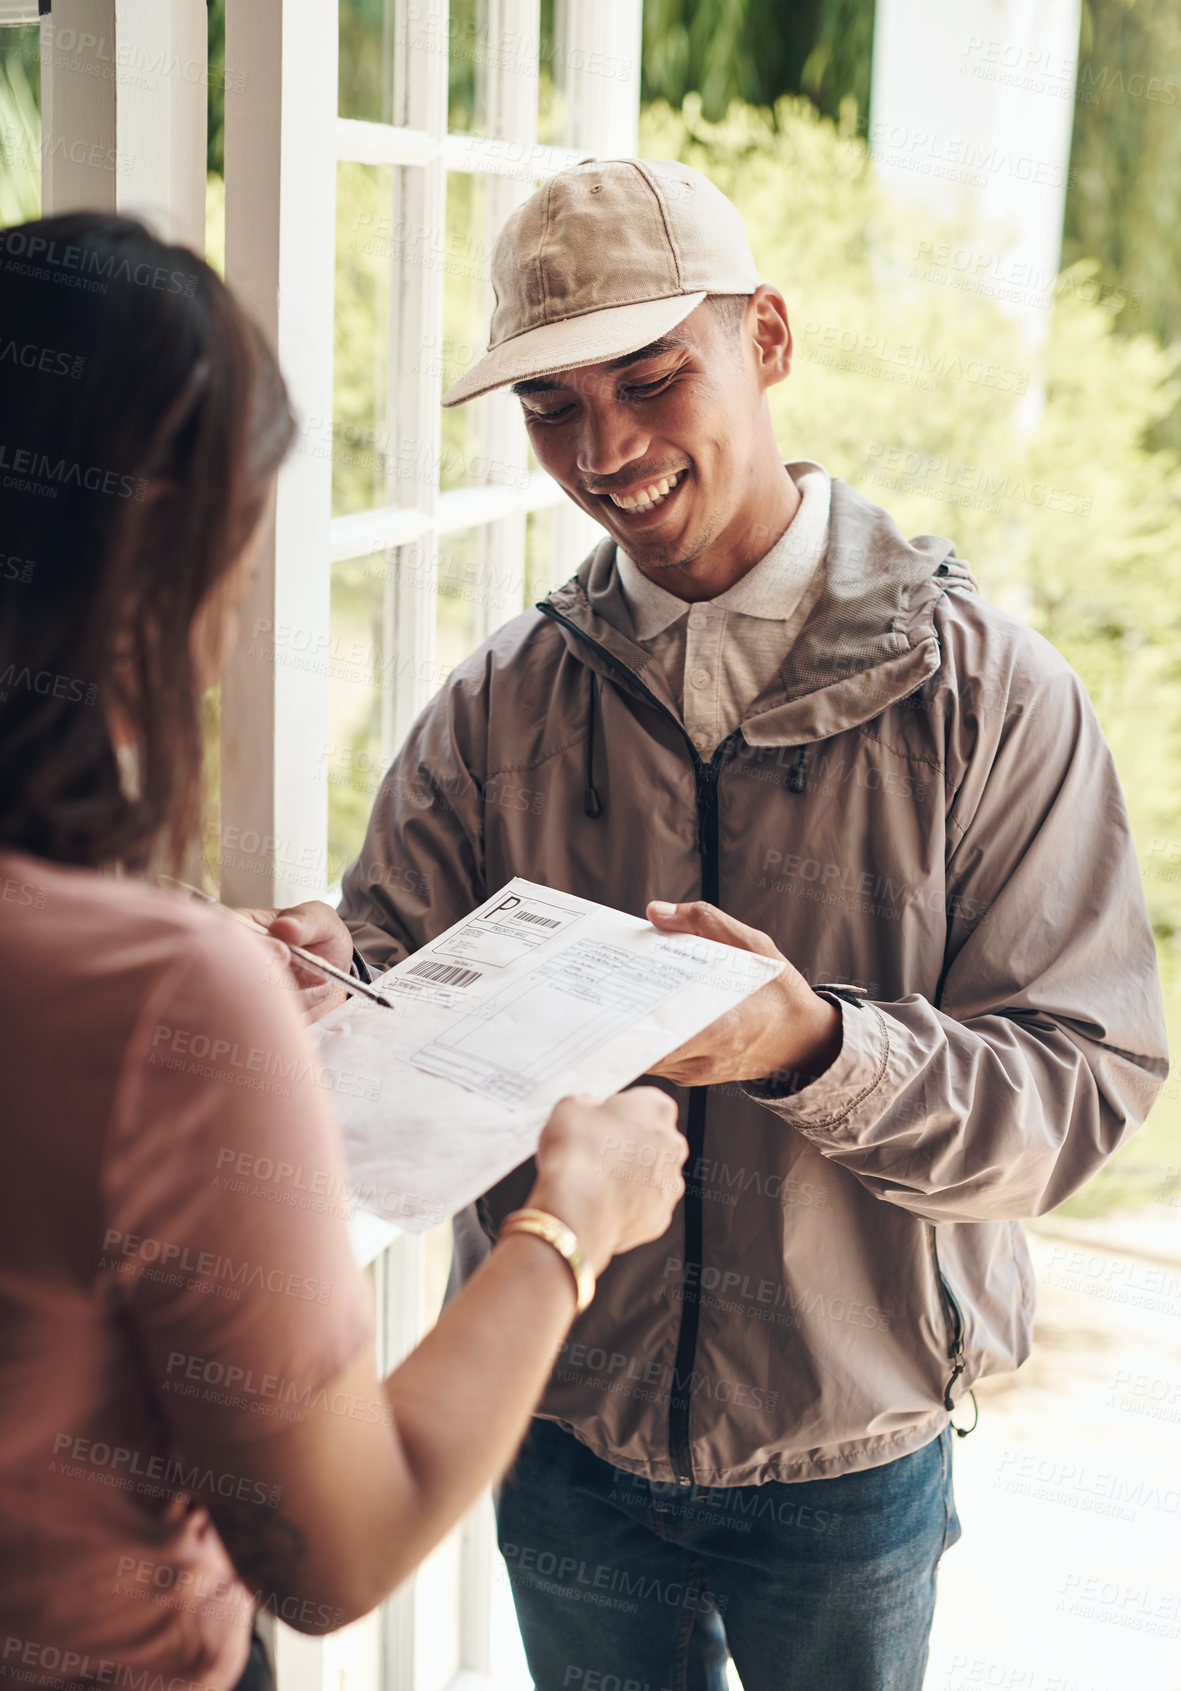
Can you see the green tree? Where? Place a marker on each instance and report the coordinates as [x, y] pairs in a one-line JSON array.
[[758, 50]]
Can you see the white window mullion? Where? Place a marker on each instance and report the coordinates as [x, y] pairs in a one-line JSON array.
[[597, 70], [418, 90], [510, 101], [414, 420]]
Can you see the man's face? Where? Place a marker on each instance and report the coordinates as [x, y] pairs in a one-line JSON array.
[[687, 415]]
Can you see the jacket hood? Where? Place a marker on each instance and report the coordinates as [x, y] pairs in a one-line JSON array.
[[868, 640]]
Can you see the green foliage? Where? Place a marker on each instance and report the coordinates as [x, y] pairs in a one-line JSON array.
[[758, 50], [215, 143], [1122, 207], [20, 127]]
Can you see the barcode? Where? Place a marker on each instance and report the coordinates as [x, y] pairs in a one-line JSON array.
[[447, 974], [542, 921]]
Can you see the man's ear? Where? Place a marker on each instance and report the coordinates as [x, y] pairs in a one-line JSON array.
[[767, 324]]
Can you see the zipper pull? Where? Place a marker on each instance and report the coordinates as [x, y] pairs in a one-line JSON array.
[[958, 1359], [796, 779]]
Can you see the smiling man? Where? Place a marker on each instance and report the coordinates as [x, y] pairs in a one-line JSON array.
[[757, 703]]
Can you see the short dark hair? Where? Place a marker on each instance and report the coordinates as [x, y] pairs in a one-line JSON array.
[[729, 309], [142, 435]]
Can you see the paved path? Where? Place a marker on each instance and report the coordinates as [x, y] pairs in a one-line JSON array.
[[1068, 1576]]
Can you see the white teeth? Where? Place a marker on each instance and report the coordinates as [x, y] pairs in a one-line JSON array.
[[648, 496]]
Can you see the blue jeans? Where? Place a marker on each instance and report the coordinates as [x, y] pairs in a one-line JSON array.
[[622, 1584]]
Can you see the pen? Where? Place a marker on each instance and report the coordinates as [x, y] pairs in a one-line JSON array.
[[349, 982]]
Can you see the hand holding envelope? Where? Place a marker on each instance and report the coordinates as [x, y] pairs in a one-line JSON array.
[[534, 996]]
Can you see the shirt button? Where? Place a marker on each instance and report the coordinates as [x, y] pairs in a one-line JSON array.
[[700, 678], [698, 618]]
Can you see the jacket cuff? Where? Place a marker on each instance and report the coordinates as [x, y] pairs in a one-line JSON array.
[[830, 1099], [360, 968]]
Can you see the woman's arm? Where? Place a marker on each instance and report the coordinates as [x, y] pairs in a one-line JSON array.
[[378, 1473]]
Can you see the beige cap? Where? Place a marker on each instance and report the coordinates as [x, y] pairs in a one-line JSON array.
[[602, 259]]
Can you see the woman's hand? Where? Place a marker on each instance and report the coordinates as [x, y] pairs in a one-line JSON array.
[[318, 928], [611, 1171]]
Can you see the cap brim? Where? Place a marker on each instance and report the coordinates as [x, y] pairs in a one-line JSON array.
[[573, 343]]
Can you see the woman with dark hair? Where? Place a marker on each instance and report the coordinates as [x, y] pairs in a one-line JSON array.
[[191, 1428]]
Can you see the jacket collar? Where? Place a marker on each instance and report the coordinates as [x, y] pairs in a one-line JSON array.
[[868, 641]]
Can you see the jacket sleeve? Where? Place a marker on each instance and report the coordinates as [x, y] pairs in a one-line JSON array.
[[421, 866], [1044, 1045]]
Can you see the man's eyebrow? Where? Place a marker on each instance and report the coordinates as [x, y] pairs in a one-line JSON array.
[[550, 384]]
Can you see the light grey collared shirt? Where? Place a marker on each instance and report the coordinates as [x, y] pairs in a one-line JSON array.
[[720, 654]]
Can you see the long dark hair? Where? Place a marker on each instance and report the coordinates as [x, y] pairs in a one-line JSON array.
[[142, 419]]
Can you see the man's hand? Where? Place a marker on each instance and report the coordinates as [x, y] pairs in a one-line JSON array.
[[317, 928], [785, 1029]]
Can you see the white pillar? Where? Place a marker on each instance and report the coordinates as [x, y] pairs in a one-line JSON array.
[[123, 111], [161, 115], [510, 102], [597, 67], [78, 123], [971, 110], [597, 70]]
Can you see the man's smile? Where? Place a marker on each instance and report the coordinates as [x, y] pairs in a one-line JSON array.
[[644, 500]]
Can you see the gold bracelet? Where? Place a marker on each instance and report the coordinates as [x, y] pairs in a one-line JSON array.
[[564, 1240]]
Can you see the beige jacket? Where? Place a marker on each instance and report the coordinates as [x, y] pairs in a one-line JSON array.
[[921, 805]]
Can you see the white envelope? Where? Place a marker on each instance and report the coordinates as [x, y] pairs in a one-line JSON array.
[[535, 995]]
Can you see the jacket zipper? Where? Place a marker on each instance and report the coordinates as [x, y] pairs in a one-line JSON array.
[[953, 1321], [706, 780], [680, 1450]]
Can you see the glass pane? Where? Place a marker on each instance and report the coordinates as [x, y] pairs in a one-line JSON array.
[[542, 572], [20, 124], [350, 762], [467, 61], [465, 321], [358, 438], [436, 1596], [364, 86], [456, 625], [551, 102]]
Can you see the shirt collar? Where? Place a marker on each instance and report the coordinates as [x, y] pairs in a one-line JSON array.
[[772, 589]]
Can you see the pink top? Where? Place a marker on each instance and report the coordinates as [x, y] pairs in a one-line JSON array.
[[173, 1257]]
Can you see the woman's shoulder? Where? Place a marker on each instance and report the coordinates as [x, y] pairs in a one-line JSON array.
[[69, 934]]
